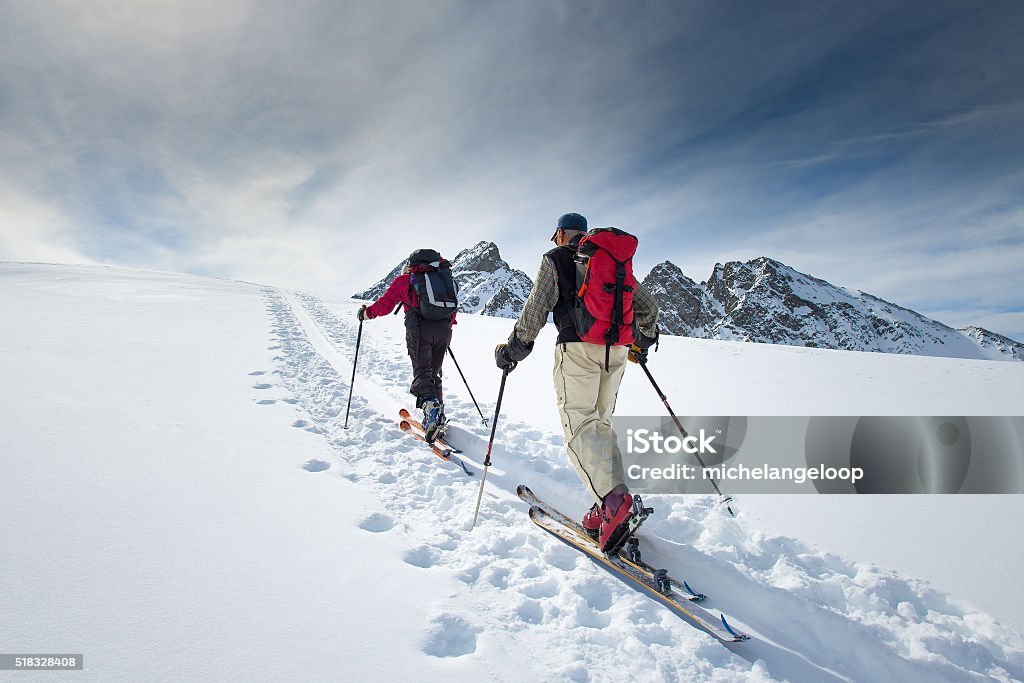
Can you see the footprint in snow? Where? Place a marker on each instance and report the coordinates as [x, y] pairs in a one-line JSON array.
[[257, 373], [316, 466], [530, 611], [531, 571], [422, 557], [499, 578], [377, 523], [470, 575], [451, 636], [261, 386], [597, 595], [546, 588], [266, 402]]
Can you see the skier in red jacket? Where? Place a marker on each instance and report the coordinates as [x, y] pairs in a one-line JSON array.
[[428, 294]]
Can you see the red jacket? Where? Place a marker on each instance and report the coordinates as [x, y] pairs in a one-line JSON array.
[[399, 292]]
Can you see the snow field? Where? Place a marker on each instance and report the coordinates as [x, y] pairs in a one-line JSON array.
[[829, 594], [179, 499], [154, 517], [512, 592]]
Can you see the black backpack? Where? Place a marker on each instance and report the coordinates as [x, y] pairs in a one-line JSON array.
[[430, 276]]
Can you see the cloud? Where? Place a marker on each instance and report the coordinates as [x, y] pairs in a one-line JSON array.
[[314, 144], [35, 232]]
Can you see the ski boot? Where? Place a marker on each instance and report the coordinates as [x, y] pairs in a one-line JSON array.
[[621, 515], [433, 419]]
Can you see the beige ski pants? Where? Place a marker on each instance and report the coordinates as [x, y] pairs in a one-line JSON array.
[[586, 395]]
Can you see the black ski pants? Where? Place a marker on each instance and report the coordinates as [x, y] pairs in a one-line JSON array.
[[427, 341]]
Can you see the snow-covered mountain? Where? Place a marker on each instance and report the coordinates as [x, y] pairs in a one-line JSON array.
[[766, 301], [762, 300], [686, 308], [487, 284], [994, 342]]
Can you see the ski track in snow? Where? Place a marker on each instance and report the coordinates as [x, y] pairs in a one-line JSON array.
[[813, 616]]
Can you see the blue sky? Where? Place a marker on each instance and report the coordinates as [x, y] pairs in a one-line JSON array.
[[310, 144]]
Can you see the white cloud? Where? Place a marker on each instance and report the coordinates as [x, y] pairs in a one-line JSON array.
[[314, 144], [33, 231]]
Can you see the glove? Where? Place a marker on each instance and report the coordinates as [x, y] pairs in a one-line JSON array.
[[361, 313], [508, 354], [502, 360], [638, 351], [637, 355]]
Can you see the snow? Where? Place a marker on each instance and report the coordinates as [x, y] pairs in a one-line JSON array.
[[179, 499]]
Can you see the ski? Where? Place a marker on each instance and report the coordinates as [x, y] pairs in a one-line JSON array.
[[655, 583], [630, 553], [444, 443], [718, 627], [443, 453]]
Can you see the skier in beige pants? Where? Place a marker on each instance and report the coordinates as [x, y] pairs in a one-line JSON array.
[[586, 375]]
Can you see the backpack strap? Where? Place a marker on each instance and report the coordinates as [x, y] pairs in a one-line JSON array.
[[612, 335], [412, 290], [617, 289]]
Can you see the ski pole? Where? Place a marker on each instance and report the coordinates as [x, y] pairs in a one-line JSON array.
[[482, 418], [490, 442], [352, 384], [725, 499]]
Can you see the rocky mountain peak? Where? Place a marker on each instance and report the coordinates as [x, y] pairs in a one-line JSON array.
[[688, 309], [764, 300], [483, 256]]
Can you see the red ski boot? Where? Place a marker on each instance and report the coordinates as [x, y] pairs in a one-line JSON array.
[[621, 515]]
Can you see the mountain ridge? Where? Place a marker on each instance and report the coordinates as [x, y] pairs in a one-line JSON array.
[[761, 300], [766, 301]]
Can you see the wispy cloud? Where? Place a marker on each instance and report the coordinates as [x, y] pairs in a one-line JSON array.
[[33, 231], [314, 143]]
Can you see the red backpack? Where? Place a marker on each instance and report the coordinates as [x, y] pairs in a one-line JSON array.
[[603, 311]]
